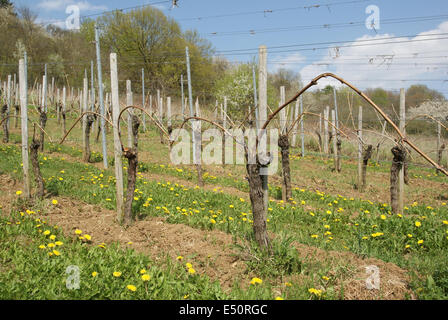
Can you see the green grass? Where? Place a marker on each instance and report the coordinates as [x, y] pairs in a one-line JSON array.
[[363, 227]]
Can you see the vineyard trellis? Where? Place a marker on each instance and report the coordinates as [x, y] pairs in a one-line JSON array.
[[256, 172]]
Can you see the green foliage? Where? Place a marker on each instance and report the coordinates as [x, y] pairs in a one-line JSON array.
[[237, 86]]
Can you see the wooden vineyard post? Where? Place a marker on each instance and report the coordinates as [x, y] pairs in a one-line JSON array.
[[5, 111], [195, 124], [43, 112], [168, 114], [160, 107], [224, 125], [24, 126], [440, 146], [402, 127], [182, 96], [283, 111], [102, 121], [256, 173], [360, 148], [58, 109], [8, 104], [84, 118], [254, 80], [129, 102], [64, 110], [326, 116], [337, 137], [52, 91], [117, 143], [320, 132], [143, 99], [438, 143], [302, 127], [335, 147], [16, 103]]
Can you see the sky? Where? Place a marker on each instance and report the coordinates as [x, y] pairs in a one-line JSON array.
[[379, 43]]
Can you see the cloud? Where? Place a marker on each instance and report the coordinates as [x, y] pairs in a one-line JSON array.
[[58, 5], [378, 65]]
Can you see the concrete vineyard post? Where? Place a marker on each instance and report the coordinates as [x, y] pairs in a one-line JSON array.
[[117, 143]]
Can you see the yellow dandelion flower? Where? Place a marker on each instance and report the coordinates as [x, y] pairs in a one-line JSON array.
[[131, 287], [314, 291], [191, 271], [256, 281], [146, 277], [117, 274], [77, 231], [54, 201], [94, 274]]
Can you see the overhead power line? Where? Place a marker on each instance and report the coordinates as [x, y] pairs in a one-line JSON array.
[[266, 12], [327, 26]]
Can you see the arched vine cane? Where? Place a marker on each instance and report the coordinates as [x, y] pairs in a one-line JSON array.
[[402, 137], [32, 122]]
